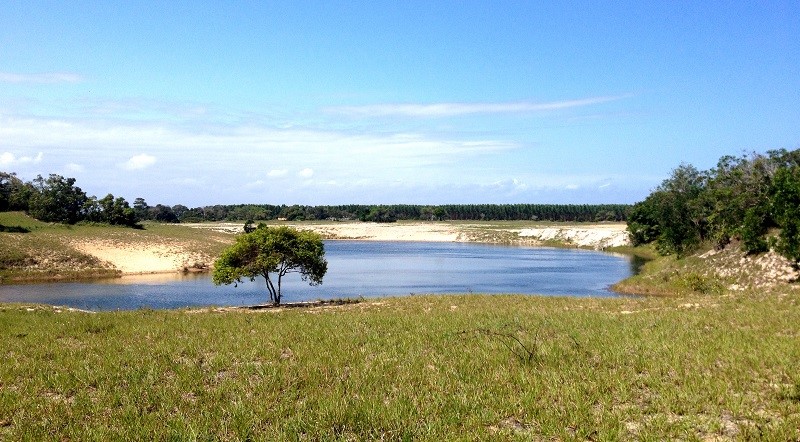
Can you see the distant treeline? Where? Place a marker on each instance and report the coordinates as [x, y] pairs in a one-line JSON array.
[[387, 213], [58, 199], [753, 199]]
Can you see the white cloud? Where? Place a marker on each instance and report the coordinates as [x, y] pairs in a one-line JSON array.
[[138, 162], [306, 173], [456, 109], [9, 159], [211, 144], [40, 78], [277, 173], [572, 187]]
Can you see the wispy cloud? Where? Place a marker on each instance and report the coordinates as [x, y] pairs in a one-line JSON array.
[[457, 109], [315, 162], [289, 149], [40, 78]]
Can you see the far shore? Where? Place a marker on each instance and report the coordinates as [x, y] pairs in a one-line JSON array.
[[177, 256]]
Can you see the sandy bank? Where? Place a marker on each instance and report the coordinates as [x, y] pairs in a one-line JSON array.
[[143, 258], [174, 256], [598, 236]]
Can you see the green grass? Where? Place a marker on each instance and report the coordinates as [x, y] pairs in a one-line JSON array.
[[417, 368]]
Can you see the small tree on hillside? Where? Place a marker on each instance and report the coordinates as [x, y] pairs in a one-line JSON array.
[[268, 250]]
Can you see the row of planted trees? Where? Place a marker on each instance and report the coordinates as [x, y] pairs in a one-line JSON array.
[[753, 199], [388, 213]]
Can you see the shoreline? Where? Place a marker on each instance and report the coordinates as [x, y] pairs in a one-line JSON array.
[[175, 257], [175, 253]]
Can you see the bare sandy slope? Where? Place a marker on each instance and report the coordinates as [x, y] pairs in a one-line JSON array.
[[175, 256], [598, 236], [143, 258]]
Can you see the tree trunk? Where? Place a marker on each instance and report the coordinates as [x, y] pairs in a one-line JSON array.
[[273, 295], [278, 296]]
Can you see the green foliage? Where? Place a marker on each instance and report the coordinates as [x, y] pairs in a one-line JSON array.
[[754, 227], [267, 250], [140, 208], [741, 199], [13, 192], [162, 214], [699, 283], [380, 214], [110, 210], [57, 199], [643, 221], [786, 210], [672, 215]]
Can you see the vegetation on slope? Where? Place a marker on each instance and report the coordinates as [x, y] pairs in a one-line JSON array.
[[742, 200], [33, 250]]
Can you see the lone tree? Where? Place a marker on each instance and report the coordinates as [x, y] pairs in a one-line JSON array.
[[278, 250]]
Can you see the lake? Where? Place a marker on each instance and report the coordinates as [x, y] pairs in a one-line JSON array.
[[360, 269]]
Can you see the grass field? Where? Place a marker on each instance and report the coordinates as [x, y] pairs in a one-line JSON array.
[[417, 368]]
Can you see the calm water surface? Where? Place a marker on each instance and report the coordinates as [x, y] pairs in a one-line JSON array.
[[356, 268]]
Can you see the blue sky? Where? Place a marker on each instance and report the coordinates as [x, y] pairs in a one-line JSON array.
[[297, 102]]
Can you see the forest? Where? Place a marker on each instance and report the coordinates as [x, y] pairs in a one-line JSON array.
[[751, 200]]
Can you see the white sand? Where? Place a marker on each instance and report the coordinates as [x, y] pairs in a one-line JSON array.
[[430, 232], [141, 258], [597, 236]]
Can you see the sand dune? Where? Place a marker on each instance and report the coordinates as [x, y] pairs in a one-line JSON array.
[[143, 258]]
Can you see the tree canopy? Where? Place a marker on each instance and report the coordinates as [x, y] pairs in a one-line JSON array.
[[741, 199], [272, 250]]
